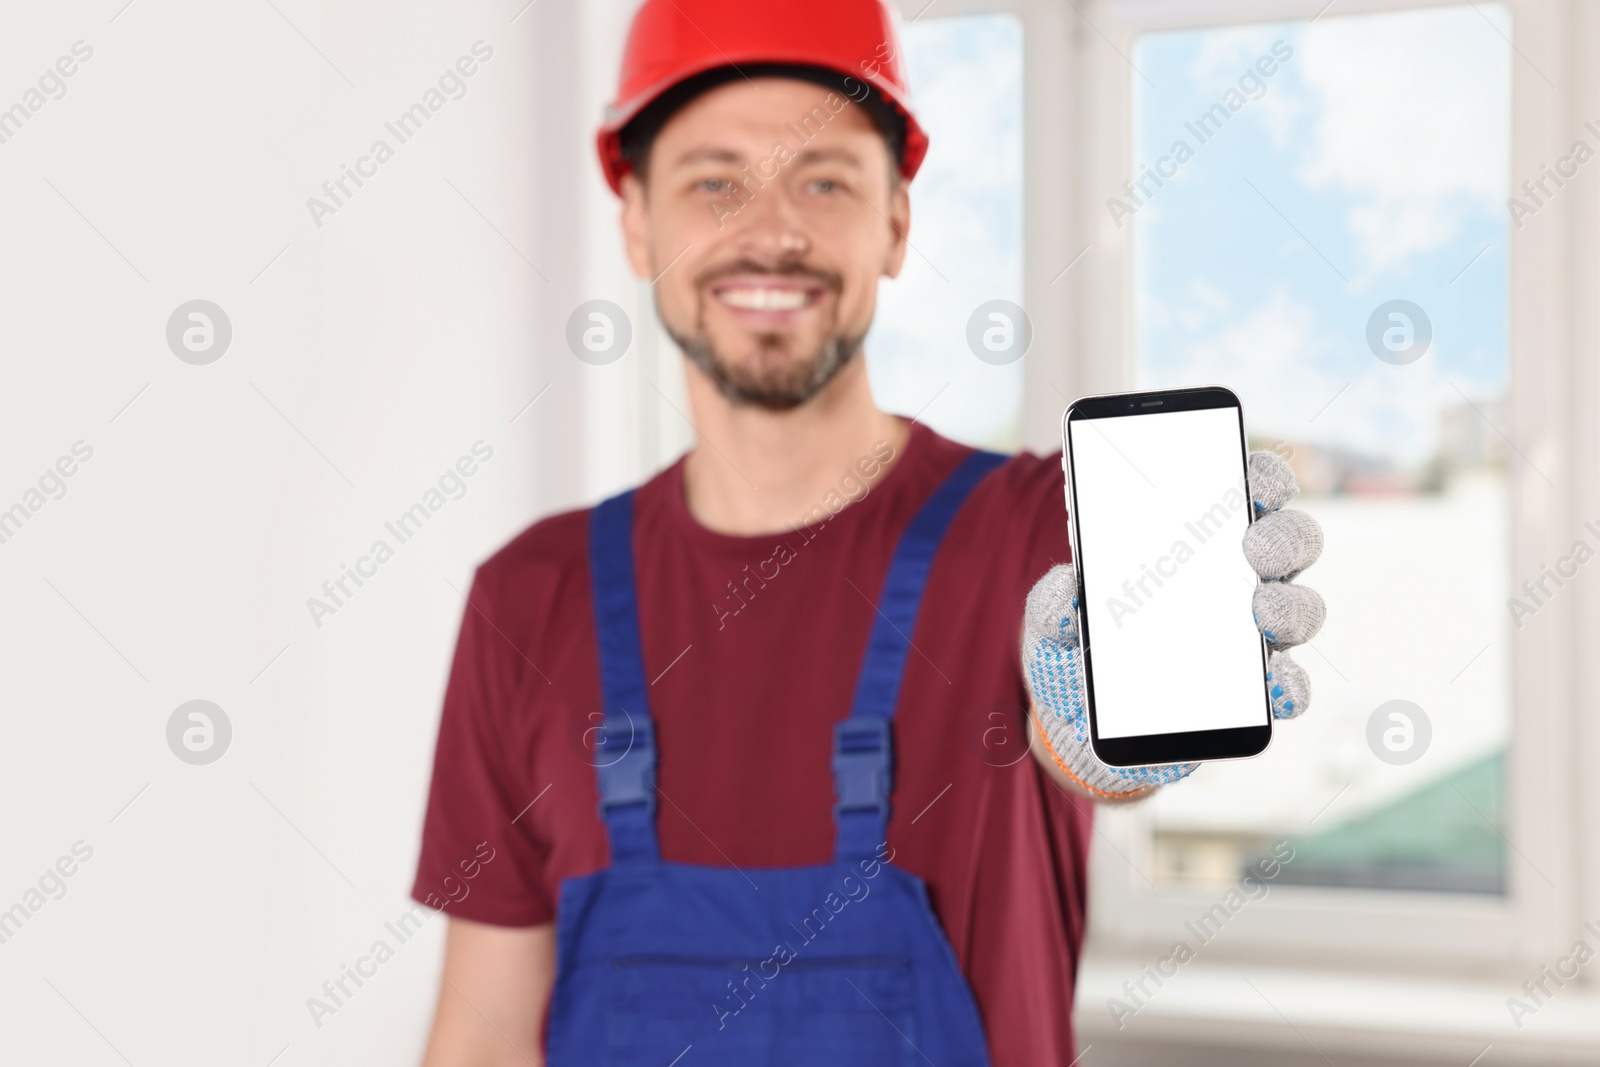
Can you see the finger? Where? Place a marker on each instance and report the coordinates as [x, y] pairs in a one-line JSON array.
[[1281, 544], [1052, 609], [1271, 481], [1288, 614], [1288, 686]]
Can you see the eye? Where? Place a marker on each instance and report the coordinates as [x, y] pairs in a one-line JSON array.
[[714, 186], [824, 185]]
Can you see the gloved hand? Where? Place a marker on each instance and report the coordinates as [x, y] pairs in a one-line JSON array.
[[1279, 545]]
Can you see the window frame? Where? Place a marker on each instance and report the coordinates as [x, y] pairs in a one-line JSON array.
[[1084, 328], [1554, 400]]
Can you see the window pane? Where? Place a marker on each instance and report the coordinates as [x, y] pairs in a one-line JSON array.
[[966, 234], [1303, 178]]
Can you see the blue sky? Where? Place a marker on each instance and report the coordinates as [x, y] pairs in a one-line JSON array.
[[966, 233], [1384, 141]]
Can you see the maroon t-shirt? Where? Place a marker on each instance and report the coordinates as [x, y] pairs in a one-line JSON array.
[[752, 646]]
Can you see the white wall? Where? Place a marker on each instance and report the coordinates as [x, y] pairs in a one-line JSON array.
[[368, 356]]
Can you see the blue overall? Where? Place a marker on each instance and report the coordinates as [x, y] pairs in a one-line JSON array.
[[842, 964]]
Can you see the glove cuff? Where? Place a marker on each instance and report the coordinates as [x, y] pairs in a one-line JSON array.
[[1076, 759]]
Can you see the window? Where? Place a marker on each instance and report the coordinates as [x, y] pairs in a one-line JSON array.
[[966, 234], [1319, 223], [1392, 152]]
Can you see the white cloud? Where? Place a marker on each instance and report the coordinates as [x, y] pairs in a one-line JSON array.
[[1414, 113], [1270, 355], [965, 231], [1226, 54], [1287, 366], [1227, 51], [1206, 303]]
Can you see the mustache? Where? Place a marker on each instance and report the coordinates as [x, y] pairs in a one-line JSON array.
[[792, 269]]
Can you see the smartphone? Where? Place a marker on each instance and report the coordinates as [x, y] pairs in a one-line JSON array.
[[1157, 505]]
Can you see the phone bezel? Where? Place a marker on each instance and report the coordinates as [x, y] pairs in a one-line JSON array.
[[1156, 749]]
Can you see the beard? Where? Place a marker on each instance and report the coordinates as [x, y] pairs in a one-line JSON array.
[[773, 383], [772, 377]]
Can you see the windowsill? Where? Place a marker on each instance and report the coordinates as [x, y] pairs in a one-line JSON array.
[[1317, 1013]]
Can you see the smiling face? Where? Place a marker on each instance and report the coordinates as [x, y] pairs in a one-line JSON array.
[[769, 210]]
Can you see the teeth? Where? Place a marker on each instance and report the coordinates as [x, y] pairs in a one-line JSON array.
[[764, 299]]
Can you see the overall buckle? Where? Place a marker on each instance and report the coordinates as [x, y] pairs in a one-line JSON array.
[[626, 765], [861, 760]]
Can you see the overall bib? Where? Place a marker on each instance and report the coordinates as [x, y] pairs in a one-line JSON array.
[[842, 964]]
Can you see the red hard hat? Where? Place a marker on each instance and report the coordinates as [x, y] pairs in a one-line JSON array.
[[673, 40]]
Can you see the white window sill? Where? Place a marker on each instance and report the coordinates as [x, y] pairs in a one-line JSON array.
[[1316, 1014]]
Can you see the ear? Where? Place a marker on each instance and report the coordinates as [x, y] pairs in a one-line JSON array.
[[899, 228], [636, 227]]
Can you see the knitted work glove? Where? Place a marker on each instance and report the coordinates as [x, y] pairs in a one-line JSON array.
[[1279, 545]]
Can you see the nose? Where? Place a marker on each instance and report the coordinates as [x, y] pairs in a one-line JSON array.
[[773, 228]]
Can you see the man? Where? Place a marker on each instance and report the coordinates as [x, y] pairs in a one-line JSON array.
[[648, 698]]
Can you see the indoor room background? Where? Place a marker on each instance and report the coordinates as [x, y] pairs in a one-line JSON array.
[[231, 370]]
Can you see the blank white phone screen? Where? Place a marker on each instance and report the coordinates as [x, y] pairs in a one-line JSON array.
[[1161, 513]]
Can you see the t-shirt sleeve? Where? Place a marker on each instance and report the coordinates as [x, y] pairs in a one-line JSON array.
[[1047, 543], [480, 860], [1043, 501]]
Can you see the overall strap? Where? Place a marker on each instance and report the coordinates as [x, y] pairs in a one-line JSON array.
[[625, 752], [862, 752]]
